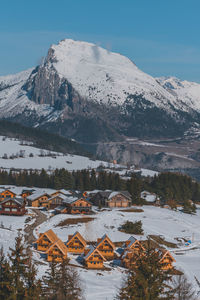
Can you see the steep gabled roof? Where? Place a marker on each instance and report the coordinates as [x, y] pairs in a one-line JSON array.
[[105, 237], [166, 252], [37, 195], [93, 251], [70, 200], [9, 190], [50, 235], [18, 200], [79, 236], [61, 246], [124, 193]]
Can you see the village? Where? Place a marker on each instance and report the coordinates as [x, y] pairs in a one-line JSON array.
[[14, 201]]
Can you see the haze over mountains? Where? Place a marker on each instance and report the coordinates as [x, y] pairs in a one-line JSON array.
[[87, 93]]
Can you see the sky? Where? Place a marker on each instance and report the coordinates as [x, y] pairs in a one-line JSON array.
[[160, 36]]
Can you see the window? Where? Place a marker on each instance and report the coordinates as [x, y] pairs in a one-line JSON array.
[[13, 209], [7, 209]]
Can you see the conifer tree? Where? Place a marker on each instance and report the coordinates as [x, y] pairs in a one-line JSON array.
[[32, 285], [6, 290], [146, 279], [62, 282], [19, 259]]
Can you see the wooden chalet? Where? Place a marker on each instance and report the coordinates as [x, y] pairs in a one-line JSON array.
[[134, 245], [38, 199], [77, 205], [6, 193], [106, 247], [167, 260], [55, 201], [12, 207], [76, 243], [57, 252], [119, 199], [99, 198], [93, 259], [131, 247], [111, 199], [45, 240]]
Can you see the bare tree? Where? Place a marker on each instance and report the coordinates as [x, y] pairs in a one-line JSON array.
[[183, 288]]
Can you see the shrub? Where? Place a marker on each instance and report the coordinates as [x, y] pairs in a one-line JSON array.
[[132, 228]]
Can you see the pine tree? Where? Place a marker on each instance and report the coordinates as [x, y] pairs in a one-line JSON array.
[[19, 259], [62, 283], [50, 282], [6, 290], [146, 280], [33, 286]]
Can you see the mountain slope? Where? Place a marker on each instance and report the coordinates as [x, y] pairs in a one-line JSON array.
[[85, 92]]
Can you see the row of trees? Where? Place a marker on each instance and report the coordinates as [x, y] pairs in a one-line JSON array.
[[169, 186], [18, 278]]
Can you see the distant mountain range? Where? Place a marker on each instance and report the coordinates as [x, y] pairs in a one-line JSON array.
[[92, 95]]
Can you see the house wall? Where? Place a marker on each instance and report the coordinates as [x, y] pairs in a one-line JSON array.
[[118, 201], [12, 209], [75, 247], [94, 262]]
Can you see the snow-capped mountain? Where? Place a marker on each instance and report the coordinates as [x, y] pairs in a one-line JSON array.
[[188, 92], [91, 94]]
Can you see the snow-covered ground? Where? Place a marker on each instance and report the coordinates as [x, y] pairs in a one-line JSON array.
[[155, 220], [11, 147], [103, 285]]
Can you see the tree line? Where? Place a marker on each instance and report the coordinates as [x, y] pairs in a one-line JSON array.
[[170, 187]]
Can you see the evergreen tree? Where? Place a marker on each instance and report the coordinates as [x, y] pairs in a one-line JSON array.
[[146, 279], [62, 283], [32, 285], [6, 290], [19, 259]]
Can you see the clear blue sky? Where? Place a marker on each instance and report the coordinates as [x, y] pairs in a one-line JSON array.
[[161, 36]]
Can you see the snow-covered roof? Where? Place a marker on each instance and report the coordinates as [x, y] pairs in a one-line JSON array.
[[70, 200], [124, 193]]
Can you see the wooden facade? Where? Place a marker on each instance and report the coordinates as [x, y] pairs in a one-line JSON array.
[[131, 247], [118, 199], [45, 240], [6, 194], [57, 252], [55, 201], [77, 206], [167, 260], [38, 200], [12, 207], [76, 243], [93, 259], [106, 247]]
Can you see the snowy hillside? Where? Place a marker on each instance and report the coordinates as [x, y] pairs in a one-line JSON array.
[[13, 154]]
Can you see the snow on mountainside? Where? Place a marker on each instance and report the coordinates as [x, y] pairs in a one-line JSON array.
[[104, 76], [188, 92], [14, 100], [88, 93]]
